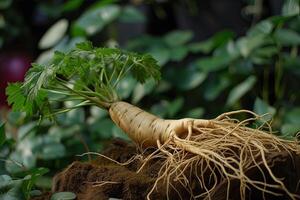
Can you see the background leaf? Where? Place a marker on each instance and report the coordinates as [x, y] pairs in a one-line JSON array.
[[287, 37], [178, 38], [131, 14], [262, 108], [190, 77], [161, 54], [291, 7], [54, 34], [211, 64], [94, 20], [195, 113], [214, 87], [141, 90], [210, 44], [263, 27], [241, 89]]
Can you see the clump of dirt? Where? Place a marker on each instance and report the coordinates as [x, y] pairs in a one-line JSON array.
[[104, 178]]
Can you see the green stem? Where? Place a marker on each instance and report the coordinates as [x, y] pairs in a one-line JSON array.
[[68, 109], [102, 104], [92, 93], [120, 74], [89, 92], [109, 88]]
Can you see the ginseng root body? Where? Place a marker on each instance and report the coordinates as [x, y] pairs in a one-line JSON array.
[[147, 129], [224, 145]]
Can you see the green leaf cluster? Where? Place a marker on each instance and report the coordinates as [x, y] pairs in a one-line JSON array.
[[88, 74]]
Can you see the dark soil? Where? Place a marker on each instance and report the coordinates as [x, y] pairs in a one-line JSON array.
[[103, 179]]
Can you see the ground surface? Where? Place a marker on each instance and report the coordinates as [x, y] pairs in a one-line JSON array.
[[102, 179]]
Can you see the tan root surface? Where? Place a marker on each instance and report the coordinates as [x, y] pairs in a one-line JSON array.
[[224, 153]]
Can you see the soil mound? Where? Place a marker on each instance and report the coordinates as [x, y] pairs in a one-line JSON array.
[[103, 179]]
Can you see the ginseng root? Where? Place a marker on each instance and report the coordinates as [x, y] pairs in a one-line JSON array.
[[223, 147], [147, 129]]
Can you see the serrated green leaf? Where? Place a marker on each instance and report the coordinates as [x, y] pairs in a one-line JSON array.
[[86, 74], [17, 99], [86, 46], [145, 67]]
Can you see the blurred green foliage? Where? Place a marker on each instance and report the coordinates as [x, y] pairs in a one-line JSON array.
[[259, 71]]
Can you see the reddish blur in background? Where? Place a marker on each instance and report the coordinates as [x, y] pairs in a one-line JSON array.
[[13, 67]]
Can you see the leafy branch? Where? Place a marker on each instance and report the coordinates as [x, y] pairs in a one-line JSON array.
[[88, 74]]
